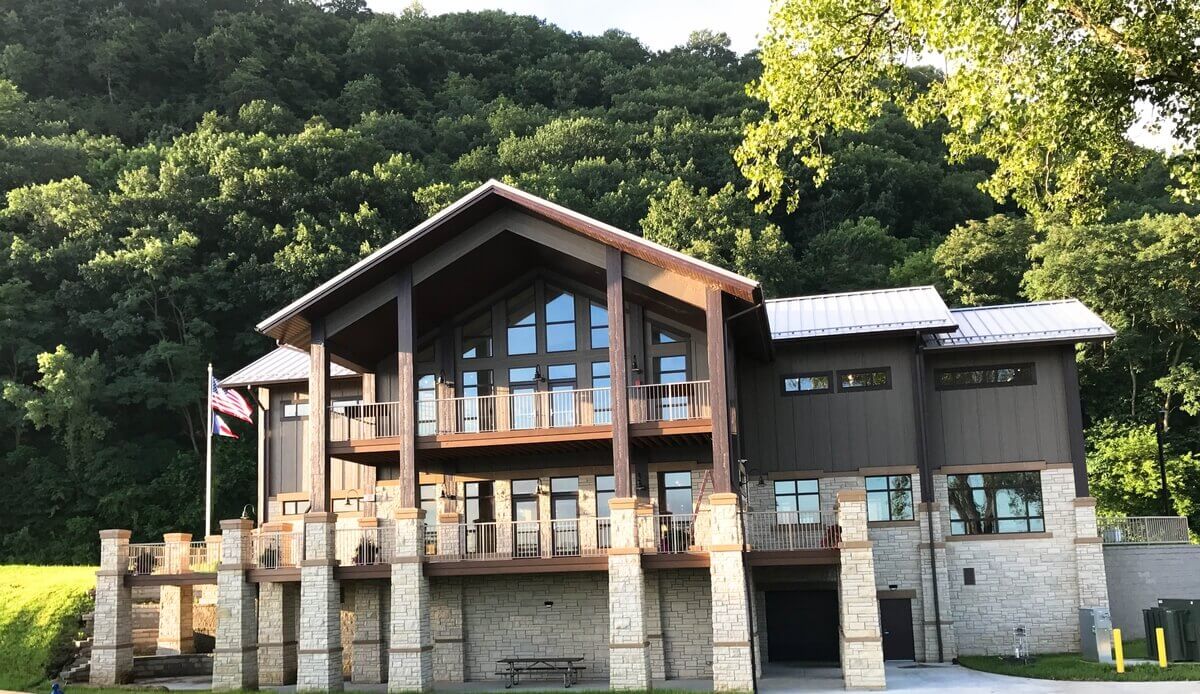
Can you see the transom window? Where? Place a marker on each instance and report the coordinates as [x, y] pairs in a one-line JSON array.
[[560, 320], [477, 337], [606, 490], [295, 409], [997, 502], [522, 324], [889, 498], [601, 398], [659, 336], [426, 405], [797, 501], [985, 376], [808, 384], [598, 321], [854, 380]]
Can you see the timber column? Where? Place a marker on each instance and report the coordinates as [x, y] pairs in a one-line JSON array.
[[175, 602], [1089, 556], [320, 657], [858, 606], [235, 658], [112, 642], [733, 666], [628, 641], [410, 657]]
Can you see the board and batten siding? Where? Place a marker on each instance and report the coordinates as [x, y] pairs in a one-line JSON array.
[[833, 432], [288, 437], [1010, 424]]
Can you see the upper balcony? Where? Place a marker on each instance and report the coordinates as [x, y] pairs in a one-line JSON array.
[[523, 419]]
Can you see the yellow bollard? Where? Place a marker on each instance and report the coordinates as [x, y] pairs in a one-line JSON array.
[[1162, 646], [1119, 650]]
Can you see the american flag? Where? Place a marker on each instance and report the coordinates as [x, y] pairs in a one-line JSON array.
[[230, 402], [220, 428]]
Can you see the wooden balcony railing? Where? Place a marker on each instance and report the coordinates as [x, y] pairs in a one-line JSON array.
[[506, 412], [560, 537], [1143, 530], [781, 531]]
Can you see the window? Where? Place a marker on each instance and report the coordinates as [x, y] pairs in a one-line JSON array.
[[659, 336], [998, 502], [560, 320], [605, 492], [564, 508], [477, 337], [522, 324], [602, 397], [295, 410], [429, 506], [480, 508], [525, 513], [598, 320], [797, 501], [671, 369], [477, 411], [426, 405], [803, 384], [295, 508], [562, 397], [889, 498], [340, 404], [985, 376], [675, 492], [854, 380], [522, 384]]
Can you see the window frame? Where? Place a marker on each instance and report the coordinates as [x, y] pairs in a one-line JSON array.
[[1031, 367], [548, 324], [886, 370], [807, 374], [888, 489], [998, 519], [793, 517]]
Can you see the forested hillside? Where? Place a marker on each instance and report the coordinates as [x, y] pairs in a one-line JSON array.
[[176, 169]]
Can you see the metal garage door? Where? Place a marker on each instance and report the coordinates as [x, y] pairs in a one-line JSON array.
[[802, 625]]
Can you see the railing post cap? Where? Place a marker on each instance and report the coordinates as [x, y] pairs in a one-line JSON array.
[[408, 514], [115, 534], [236, 524], [320, 517], [212, 539], [177, 537]]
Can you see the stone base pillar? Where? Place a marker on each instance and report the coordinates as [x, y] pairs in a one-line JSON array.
[[1089, 556], [278, 609], [410, 655], [320, 657], [175, 620], [235, 658], [449, 659], [368, 660], [628, 645], [933, 563], [112, 634], [733, 666], [654, 627], [858, 606]]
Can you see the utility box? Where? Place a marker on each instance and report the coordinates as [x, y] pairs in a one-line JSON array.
[[1095, 634], [1179, 633], [1190, 625]]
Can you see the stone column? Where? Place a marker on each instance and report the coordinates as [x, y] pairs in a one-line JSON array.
[[1089, 556], [368, 651], [410, 656], [446, 615], [858, 607], [235, 658], [933, 563], [733, 668], [112, 630], [278, 609], [628, 643], [449, 534], [320, 657], [175, 602]]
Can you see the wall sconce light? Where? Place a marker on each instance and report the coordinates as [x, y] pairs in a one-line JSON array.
[[634, 368], [442, 378], [452, 496], [548, 604], [537, 375]]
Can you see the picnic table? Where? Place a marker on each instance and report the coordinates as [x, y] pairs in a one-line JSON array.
[[511, 669]]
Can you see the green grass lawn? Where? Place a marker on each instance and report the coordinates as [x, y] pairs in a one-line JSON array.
[[1070, 666], [39, 611]]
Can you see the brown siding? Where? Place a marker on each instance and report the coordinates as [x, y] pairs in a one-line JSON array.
[[999, 425], [288, 438], [834, 431]]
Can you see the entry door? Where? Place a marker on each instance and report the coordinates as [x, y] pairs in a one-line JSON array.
[[802, 625], [895, 618]]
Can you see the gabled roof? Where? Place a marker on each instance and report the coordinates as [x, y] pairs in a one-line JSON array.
[[285, 364], [1064, 321], [289, 323], [906, 309]]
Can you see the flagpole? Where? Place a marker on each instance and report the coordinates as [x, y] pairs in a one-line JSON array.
[[208, 430]]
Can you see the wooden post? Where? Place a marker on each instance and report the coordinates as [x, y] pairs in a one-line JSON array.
[[405, 395], [717, 390], [619, 394], [318, 420]]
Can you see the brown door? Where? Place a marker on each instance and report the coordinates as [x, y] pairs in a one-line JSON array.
[[895, 618]]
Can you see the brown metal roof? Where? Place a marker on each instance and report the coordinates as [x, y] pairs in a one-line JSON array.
[[1012, 324], [285, 364]]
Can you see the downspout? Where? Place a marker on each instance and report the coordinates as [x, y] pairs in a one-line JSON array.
[[737, 456], [927, 496]]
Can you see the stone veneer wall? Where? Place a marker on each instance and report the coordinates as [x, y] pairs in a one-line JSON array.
[[1018, 582], [505, 615], [685, 599]]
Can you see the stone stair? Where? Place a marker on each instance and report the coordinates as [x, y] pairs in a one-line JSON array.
[[80, 667]]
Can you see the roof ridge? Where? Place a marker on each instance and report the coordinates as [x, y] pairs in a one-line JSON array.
[[859, 292], [1019, 304]]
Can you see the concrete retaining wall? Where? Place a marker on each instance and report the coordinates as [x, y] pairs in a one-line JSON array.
[[1138, 575], [189, 665]]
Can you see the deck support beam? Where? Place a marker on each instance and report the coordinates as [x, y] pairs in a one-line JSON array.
[[618, 388], [318, 420], [405, 394], [718, 390]]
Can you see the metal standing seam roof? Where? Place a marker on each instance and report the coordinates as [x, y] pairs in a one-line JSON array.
[[1037, 322], [859, 313], [284, 364]]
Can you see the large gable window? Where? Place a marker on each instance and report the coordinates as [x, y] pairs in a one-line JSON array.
[[522, 324], [477, 337], [598, 319], [560, 320]]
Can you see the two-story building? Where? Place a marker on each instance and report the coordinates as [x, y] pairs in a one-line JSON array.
[[516, 431]]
